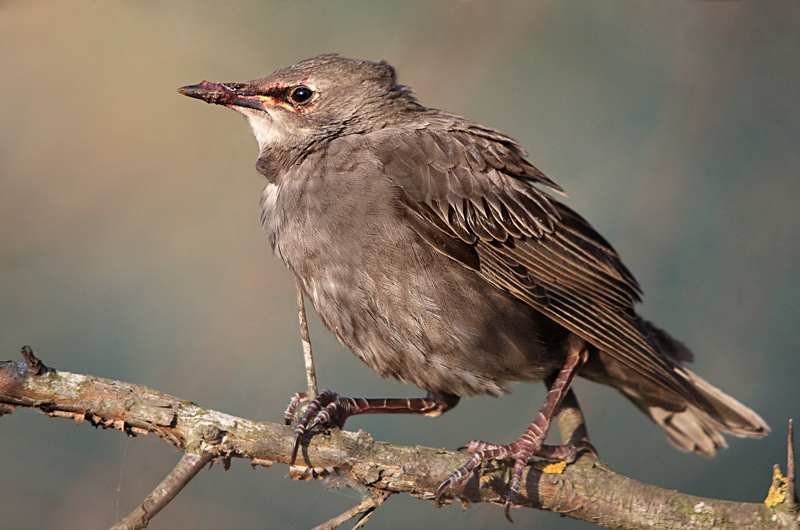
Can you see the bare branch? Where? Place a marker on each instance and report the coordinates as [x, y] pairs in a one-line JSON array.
[[365, 507], [190, 464], [587, 490], [311, 374]]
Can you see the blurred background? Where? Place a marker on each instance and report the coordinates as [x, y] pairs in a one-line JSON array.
[[131, 248]]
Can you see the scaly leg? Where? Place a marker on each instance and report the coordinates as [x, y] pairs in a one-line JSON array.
[[531, 441], [330, 409]]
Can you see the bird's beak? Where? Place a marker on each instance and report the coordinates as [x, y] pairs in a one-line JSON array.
[[228, 94]]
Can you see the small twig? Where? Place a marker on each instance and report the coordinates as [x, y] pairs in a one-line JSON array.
[[35, 366], [190, 464], [791, 491], [366, 507], [311, 374]]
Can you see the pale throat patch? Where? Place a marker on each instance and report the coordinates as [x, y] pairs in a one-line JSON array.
[[268, 132]]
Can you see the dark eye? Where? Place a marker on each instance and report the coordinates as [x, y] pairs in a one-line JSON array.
[[301, 95]]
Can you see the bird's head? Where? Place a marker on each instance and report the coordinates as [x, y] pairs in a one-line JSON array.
[[313, 101]]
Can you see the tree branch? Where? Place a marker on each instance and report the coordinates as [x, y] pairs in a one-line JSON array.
[[193, 460], [587, 490]]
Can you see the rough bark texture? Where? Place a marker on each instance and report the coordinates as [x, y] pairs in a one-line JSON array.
[[587, 490]]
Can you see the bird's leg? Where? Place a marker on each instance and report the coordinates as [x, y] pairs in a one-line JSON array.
[[531, 441], [329, 409]]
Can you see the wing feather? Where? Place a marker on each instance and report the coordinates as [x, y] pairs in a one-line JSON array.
[[469, 194]]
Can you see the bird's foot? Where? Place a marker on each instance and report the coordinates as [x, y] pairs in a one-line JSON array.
[[519, 451], [328, 409]]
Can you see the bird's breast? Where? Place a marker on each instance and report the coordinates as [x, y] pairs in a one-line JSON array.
[[401, 306]]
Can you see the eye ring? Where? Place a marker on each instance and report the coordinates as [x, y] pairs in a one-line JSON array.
[[301, 95]]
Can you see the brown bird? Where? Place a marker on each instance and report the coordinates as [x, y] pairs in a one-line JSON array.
[[427, 248]]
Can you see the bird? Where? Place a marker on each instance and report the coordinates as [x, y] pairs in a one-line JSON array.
[[434, 250]]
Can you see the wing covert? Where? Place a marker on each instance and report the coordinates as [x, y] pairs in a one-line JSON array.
[[469, 194]]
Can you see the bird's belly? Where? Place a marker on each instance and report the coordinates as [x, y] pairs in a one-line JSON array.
[[415, 314]]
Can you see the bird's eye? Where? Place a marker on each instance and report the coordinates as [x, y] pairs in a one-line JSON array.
[[301, 95]]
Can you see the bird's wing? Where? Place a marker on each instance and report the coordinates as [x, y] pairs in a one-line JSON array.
[[468, 192]]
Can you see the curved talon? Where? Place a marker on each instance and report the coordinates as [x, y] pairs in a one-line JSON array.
[[458, 477], [439, 491], [508, 510], [295, 447]]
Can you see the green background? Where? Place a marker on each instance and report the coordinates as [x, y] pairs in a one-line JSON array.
[[130, 243]]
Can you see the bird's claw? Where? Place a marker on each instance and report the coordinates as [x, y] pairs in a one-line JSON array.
[[518, 452], [483, 451], [328, 409], [460, 475], [443, 486]]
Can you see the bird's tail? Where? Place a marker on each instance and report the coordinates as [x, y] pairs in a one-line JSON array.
[[697, 429], [692, 421], [693, 425]]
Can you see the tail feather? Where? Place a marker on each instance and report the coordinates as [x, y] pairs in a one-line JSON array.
[[698, 426], [693, 420]]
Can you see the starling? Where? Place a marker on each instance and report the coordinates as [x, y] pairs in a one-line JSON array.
[[429, 250]]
